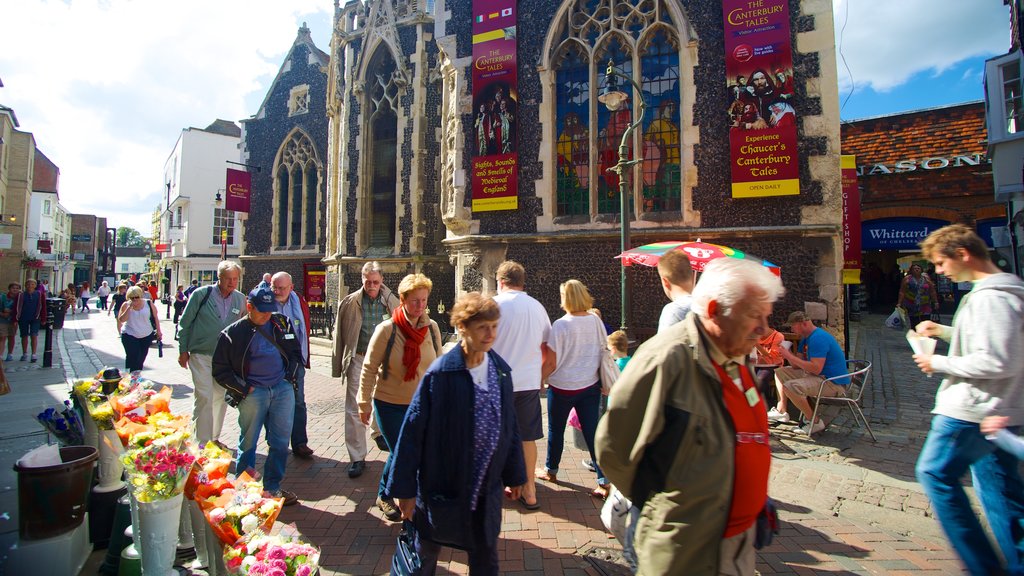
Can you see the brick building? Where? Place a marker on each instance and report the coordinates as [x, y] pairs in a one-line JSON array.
[[918, 171], [400, 104], [285, 146]]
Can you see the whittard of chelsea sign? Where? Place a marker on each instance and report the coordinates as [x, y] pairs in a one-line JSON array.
[[897, 233]]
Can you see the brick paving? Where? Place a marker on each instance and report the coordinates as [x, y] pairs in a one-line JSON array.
[[849, 506]]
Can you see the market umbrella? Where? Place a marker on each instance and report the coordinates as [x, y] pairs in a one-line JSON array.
[[700, 253]]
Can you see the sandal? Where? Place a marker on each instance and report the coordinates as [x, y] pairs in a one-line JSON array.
[[601, 491], [546, 475]]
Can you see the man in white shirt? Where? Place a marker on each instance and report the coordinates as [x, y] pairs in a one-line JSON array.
[[522, 342], [677, 281]]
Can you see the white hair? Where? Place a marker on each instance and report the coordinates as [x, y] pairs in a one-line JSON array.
[[227, 265], [371, 267], [729, 280]]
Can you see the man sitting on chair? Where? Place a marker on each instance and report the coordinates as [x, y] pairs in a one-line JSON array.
[[818, 357]]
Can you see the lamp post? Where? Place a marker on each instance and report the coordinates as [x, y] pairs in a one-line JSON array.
[[223, 229], [613, 98]]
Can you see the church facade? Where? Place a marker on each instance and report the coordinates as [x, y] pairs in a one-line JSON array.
[[403, 131]]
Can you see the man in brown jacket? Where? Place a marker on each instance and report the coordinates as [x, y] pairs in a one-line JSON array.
[[358, 315], [685, 420]]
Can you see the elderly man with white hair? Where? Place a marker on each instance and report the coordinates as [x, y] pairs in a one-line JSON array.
[[685, 436]]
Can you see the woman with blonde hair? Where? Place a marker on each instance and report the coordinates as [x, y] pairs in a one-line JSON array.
[[576, 343], [134, 325], [400, 351]]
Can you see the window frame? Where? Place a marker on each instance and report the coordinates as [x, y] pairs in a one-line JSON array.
[[996, 119], [230, 217]]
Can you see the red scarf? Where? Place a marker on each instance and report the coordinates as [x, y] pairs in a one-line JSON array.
[[414, 337]]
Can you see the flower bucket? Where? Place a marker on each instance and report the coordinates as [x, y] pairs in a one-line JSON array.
[[157, 537], [110, 467], [199, 533], [53, 499]]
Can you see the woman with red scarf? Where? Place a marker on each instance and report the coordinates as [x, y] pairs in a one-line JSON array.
[[400, 351]]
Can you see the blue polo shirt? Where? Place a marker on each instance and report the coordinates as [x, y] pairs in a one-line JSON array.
[[821, 344], [266, 367]]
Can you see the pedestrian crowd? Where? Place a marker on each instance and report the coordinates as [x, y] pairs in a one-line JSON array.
[[680, 440]]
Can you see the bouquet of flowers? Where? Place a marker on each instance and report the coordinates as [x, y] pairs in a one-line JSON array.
[[240, 510], [142, 432], [89, 395], [158, 471], [140, 401], [65, 425], [285, 554], [208, 478]]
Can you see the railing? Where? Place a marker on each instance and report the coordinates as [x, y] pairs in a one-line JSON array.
[[321, 320]]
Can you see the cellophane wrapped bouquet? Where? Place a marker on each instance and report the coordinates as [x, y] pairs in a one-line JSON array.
[[209, 474], [89, 394], [157, 456], [240, 510], [64, 424], [283, 554]]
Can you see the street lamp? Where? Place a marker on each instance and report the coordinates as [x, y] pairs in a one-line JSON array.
[[223, 228], [613, 98]]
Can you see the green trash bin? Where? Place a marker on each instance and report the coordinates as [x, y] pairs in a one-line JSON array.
[[53, 499]]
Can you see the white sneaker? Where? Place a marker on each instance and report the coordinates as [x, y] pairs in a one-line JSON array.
[[813, 428], [589, 465], [776, 417]]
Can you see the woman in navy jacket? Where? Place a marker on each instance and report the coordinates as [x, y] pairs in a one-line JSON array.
[[459, 446]]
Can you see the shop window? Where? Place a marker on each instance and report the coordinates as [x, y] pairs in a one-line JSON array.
[[639, 39], [380, 192], [296, 192]]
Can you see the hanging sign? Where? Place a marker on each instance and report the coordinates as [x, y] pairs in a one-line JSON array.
[[237, 188], [759, 74], [495, 164], [851, 220]]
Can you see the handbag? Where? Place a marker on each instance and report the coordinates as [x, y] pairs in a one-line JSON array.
[[767, 525], [609, 370], [406, 562]]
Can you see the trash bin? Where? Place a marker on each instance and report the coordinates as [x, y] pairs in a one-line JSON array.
[[53, 499], [56, 308]]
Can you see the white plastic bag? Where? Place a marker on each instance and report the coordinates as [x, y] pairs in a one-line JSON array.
[[619, 517], [894, 320]]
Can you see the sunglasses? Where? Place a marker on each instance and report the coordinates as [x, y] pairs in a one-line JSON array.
[[135, 298]]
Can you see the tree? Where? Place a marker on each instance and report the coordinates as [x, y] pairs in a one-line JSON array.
[[130, 237]]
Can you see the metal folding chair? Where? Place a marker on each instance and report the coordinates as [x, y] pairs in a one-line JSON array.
[[859, 373]]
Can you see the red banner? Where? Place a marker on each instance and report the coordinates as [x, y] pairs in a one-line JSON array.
[[162, 248], [239, 183], [315, 284], [759, 73], [851, 220], [44, 246], [495, 105]]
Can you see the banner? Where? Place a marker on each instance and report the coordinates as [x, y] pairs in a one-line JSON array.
[[495, 104], [851, 220], [314, 284], [759, 74], [162, 248], [237, 188]]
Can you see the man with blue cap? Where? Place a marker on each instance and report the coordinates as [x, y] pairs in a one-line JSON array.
[[257, 361]]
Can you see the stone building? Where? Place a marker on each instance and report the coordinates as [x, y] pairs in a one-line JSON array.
[[285, 147], [401, 109]]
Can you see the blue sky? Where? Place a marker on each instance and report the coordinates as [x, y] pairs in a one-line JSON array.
[[106, 86]]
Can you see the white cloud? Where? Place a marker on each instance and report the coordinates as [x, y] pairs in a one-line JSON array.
[[106, 86], [887, 42]]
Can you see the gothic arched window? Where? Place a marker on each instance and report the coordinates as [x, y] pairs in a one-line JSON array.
[[639, 38], [296, 192], [380, 192]]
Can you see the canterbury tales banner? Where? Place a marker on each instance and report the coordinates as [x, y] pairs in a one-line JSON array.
[[759, 73], [495, 103], [237, 188]]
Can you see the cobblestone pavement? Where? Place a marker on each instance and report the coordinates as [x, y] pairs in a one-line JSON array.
[[849, 506]]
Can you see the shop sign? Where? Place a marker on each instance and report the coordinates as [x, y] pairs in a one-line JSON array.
[[930, 163], [759, 75], [851, 220], [44, 246], [81, 237], [162, 248], [495, 164], [237, 187], [897, 233], [315, 284], [988, 229]]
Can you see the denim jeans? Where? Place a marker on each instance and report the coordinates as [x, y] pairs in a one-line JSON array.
[[389, 419], [952, 447], [299, 437], [274, 408], [135, 351], [588, 406]]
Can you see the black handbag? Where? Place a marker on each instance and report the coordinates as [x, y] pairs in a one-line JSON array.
[[406, 562]]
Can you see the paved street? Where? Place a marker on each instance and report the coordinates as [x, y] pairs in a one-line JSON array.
[[849, 506]]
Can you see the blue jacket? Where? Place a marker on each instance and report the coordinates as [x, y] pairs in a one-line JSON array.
[[433, 460]]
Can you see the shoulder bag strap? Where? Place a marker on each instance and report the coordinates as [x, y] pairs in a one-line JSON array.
[[387, 352]]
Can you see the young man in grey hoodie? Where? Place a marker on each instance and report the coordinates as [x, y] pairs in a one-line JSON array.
[[984, 377]]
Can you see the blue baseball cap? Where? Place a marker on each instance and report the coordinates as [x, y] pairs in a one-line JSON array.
[[262, 298]]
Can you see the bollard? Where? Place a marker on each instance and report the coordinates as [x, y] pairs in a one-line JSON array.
[[48, 342]]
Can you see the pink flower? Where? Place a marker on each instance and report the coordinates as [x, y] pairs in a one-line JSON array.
[[276, 572], [276, 553], [279, 564], [303, 570]]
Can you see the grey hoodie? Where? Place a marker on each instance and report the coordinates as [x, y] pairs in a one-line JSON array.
[[985, 367]]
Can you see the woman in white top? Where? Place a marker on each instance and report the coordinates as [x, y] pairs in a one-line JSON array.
[[576, 344], [102, 293], [134, 324]]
